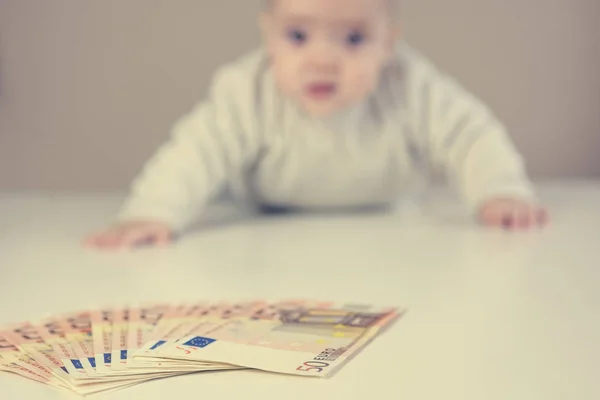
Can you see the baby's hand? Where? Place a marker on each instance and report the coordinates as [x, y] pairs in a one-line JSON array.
[[131, 234], [512, 214]]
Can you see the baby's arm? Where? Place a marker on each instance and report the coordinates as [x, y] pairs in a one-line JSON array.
[[206, 146], [464, 139]]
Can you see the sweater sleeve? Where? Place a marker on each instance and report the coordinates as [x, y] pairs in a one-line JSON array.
[[205, 147], [463, 139]]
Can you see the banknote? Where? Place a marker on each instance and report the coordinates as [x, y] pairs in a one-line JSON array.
[[172, 322], [11, 355], [206, 315], [166, 328], [146, 322], [102, 322], [115, 322], [17, 368], [77, 328], [198, 315], [90, 352], [11, 367], [9, 361], [116, 342], [119, 340], [27, 339], [105, 386], [50, 331], [33, 343], [13, 359], [192, 317], [36, 357], [308, 340], [142, 321]]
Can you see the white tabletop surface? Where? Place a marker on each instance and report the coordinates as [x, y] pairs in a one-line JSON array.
[[492, 315]]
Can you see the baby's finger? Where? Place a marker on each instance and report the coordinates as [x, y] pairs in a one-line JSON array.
[[90, 241], [105, 240], [508, 218], [524, 217], [515, 217], [113, 240], [163, 238], [136, 237], [94, 240], [492, 217]]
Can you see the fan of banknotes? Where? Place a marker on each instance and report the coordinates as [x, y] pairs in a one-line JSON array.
[[96, 351]]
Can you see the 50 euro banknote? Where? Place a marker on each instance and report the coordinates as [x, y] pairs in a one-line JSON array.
[[27, 339], [14, 360], [303, 338], [188, 319], [51, 332], [148, 322], [142, 322], [23, 352], [101, 322]]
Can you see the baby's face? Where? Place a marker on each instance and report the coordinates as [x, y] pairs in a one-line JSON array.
[[327, 55]]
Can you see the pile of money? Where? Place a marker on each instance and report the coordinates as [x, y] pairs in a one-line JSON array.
[[97, 351]]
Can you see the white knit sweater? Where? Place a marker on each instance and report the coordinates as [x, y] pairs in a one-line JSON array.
[[248, 137]]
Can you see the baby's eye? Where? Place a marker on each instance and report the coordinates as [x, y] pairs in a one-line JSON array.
[[355, 38], [297, 36]]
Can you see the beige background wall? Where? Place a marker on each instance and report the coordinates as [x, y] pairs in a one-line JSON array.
[[89, 88]]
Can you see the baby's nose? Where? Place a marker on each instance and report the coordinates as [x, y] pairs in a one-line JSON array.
[[325, 58]]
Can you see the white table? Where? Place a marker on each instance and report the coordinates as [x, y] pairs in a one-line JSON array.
[[492, 315]]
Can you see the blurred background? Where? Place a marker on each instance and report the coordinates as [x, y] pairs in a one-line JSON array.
[[90, 88]]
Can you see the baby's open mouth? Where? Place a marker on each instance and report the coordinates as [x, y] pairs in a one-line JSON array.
[[321, 90]]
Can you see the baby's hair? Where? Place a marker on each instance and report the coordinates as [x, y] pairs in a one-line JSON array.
[[393, 4]]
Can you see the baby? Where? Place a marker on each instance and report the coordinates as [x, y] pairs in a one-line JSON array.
[[335, 111]]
